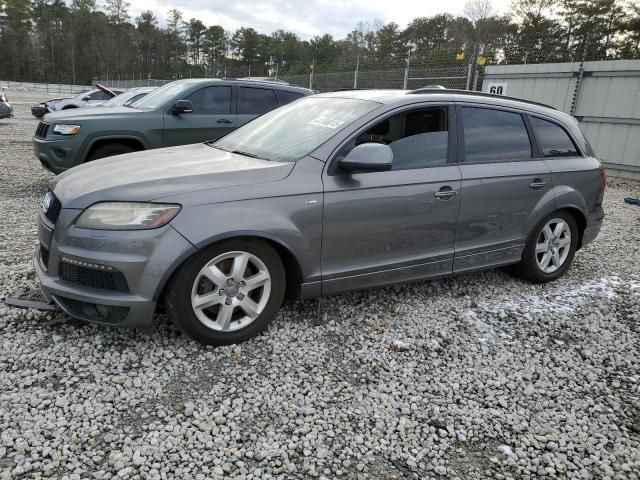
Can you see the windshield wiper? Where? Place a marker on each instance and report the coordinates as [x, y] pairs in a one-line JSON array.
[[247, 154]]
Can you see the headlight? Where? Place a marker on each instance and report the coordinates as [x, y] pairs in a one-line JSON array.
[[127, 216], [66, 129]]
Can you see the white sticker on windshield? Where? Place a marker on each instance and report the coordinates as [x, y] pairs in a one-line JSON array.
[[326, 122]]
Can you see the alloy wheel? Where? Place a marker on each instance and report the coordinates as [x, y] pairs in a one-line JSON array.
[[231, 291], [553, 245]]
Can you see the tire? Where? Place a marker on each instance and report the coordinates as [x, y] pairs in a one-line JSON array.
[[532, 266], [109, 150], [231, 312]]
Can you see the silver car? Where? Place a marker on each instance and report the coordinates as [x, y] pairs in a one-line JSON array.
[[333, 192]]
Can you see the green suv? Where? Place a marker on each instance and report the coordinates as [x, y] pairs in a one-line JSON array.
[[179, 113]]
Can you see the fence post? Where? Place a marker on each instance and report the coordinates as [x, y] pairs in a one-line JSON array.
[[476, 74], [469, 75], [406, 71], [355, 75], [313, 68]]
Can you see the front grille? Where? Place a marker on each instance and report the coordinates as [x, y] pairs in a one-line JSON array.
[[42, 129], [93, 278], [44, 256], [93, 312], [53, 212]]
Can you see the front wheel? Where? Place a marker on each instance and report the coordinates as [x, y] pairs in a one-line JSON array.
[[550, 249], [227, 293]]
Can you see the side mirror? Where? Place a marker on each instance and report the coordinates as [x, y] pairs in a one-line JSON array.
[[182, 106], [86, 99], [368, 157]]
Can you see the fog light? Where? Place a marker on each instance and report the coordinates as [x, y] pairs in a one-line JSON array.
[[60, 152], [103, 310], [82, 263]]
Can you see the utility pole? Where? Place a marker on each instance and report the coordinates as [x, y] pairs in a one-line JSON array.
[[355, 75]]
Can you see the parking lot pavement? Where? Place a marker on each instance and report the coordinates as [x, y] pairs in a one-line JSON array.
[[476, 376]]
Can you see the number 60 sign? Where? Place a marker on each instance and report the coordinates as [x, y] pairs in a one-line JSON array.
[[497, 88]]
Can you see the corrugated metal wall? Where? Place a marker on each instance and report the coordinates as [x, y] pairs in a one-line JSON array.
[[604, 96]]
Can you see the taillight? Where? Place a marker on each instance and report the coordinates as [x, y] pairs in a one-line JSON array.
[[603, 177]]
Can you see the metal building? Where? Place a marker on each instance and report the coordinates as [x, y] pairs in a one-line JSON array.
[[604, 96]]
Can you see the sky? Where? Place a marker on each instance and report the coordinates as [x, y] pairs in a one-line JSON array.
[[307, 18]]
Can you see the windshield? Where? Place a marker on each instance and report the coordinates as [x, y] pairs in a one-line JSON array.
[[162, 95], [293, 131], [121, 99]]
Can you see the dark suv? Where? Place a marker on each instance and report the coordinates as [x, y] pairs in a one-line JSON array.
[[179, 113]]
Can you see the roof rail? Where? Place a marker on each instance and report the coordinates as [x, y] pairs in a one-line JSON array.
[[263, 80], [422, 91]]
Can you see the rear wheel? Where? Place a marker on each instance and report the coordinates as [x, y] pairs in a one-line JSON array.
[[550, 249], [109, 150], [227, 293]]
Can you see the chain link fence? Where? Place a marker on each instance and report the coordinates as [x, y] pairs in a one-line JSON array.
[[324, 78]]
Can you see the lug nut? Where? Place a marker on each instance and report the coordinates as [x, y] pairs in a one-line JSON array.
[[228, 301]]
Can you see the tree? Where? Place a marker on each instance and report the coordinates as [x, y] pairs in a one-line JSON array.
[[215, 47], [195, 33]]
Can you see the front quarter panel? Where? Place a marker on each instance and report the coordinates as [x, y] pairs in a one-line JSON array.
[[288, 212]]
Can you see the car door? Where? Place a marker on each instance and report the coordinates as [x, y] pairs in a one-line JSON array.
[[212, 117], [504, 187], [254, 101], [399, 225]]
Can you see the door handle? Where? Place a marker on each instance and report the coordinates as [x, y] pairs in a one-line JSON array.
[[445, 193], [537, 183], [224, 120]]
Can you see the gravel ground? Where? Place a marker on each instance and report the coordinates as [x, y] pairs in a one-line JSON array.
[[476, 376]]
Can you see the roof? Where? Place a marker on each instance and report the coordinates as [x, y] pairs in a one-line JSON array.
[[402, 97], [251, 81]]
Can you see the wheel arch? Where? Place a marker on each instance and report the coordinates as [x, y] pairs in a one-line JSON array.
[[293, 272], [134, 142], [580, 218]]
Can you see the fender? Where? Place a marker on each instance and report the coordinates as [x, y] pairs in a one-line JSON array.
[[177, 263]]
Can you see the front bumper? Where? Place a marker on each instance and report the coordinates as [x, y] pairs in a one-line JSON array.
[[60, 154], [145, 258], [39, 111]]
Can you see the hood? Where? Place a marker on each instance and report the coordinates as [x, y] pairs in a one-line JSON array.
[[79, 114], [152, 174]]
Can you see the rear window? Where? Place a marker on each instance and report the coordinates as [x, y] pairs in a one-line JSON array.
[[553, 139], [287, 97], [494, 136], [256, 101]]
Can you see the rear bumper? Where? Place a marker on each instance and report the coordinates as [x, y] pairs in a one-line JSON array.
[[590, 233], [594, 224]]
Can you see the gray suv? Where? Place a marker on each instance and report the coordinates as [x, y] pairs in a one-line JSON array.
[[334, 192], [179, 113]]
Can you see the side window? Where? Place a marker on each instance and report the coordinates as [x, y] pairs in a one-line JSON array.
[[554, 140], [417, 138], [494, 135], [256, 101], [99, 95], [287, 97], [211, 100]]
